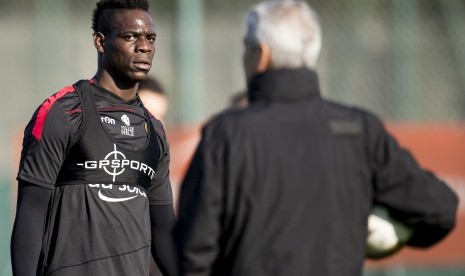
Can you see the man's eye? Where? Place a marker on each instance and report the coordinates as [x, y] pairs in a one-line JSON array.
[[130, 38], [151, 39]]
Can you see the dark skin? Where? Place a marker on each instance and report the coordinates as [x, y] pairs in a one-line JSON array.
[[124, 59], [125, 55]]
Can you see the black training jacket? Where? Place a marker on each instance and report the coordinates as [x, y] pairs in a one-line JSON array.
[[285, 186]]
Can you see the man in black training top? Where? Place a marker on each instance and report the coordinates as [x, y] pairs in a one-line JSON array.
[[285, 185], [94, 195]]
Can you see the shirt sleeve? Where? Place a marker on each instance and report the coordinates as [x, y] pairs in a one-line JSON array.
[[162, 221], [160, 192], [28, 229], [412, 195], [47, 138]]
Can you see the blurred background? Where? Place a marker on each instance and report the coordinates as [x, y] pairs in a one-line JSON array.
[[402, 59]]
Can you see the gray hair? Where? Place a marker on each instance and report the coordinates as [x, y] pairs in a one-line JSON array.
[[291, 29]]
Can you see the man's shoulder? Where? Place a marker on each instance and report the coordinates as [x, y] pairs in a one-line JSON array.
[[235, 120], [66, 97], [342, 109], [63, 102], [332, 109], [244, 113], [367, 118], [157, 124], [231, 115], [67, 92]]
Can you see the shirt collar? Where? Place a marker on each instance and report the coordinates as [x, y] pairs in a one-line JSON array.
[[112, 97], [284, 85]]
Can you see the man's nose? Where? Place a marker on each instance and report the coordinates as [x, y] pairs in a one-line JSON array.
[[144, 45]]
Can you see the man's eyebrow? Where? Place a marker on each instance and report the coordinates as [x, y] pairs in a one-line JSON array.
[[136, 32]]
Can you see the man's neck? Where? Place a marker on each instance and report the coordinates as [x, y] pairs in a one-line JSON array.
[[124, 91]]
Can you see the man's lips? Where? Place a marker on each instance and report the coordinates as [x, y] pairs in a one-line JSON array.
[[142, 65]]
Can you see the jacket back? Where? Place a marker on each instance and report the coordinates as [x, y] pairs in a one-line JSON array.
[[285, 186]]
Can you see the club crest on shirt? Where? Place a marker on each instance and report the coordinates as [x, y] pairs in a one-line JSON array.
[[126, 129], [126, 120]]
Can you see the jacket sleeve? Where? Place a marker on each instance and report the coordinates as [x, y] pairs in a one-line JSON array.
[[411, 194], [200, 207]]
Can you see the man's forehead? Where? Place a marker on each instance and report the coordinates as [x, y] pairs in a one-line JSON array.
[[134, 20]]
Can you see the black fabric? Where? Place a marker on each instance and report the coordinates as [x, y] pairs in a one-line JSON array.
[[270, 87], [92, 158], [111, 110], [285, 186], [162, 221], [98, 220], [28, 229], [100, 196], [42, 159]]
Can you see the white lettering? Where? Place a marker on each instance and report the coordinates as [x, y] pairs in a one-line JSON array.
[[151, 173], [103, 163], [125, 163], [127, 130], [90, 164], [108, 120], [128, 188], [143, 168], [134, 165], [115, 163]]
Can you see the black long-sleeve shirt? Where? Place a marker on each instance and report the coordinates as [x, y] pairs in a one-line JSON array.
[[49, 137]]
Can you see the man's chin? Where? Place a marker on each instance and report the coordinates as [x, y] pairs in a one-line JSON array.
[[139, 76]]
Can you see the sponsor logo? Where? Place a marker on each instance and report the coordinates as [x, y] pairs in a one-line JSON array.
[[107, 120], [115, 163], [127, 130], [133, 191]]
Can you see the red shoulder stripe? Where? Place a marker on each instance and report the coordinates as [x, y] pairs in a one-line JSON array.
[[45, 108]]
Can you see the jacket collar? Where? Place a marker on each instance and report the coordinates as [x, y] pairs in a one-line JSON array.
[[284, 85]]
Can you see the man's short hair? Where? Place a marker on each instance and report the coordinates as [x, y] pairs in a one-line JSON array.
[[104, 14], [291, 30]]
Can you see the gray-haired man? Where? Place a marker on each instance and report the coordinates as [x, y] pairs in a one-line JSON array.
[[285, 186]]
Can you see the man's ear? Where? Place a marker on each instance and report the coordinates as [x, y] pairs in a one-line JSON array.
[[99, 42], [264, 61]]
